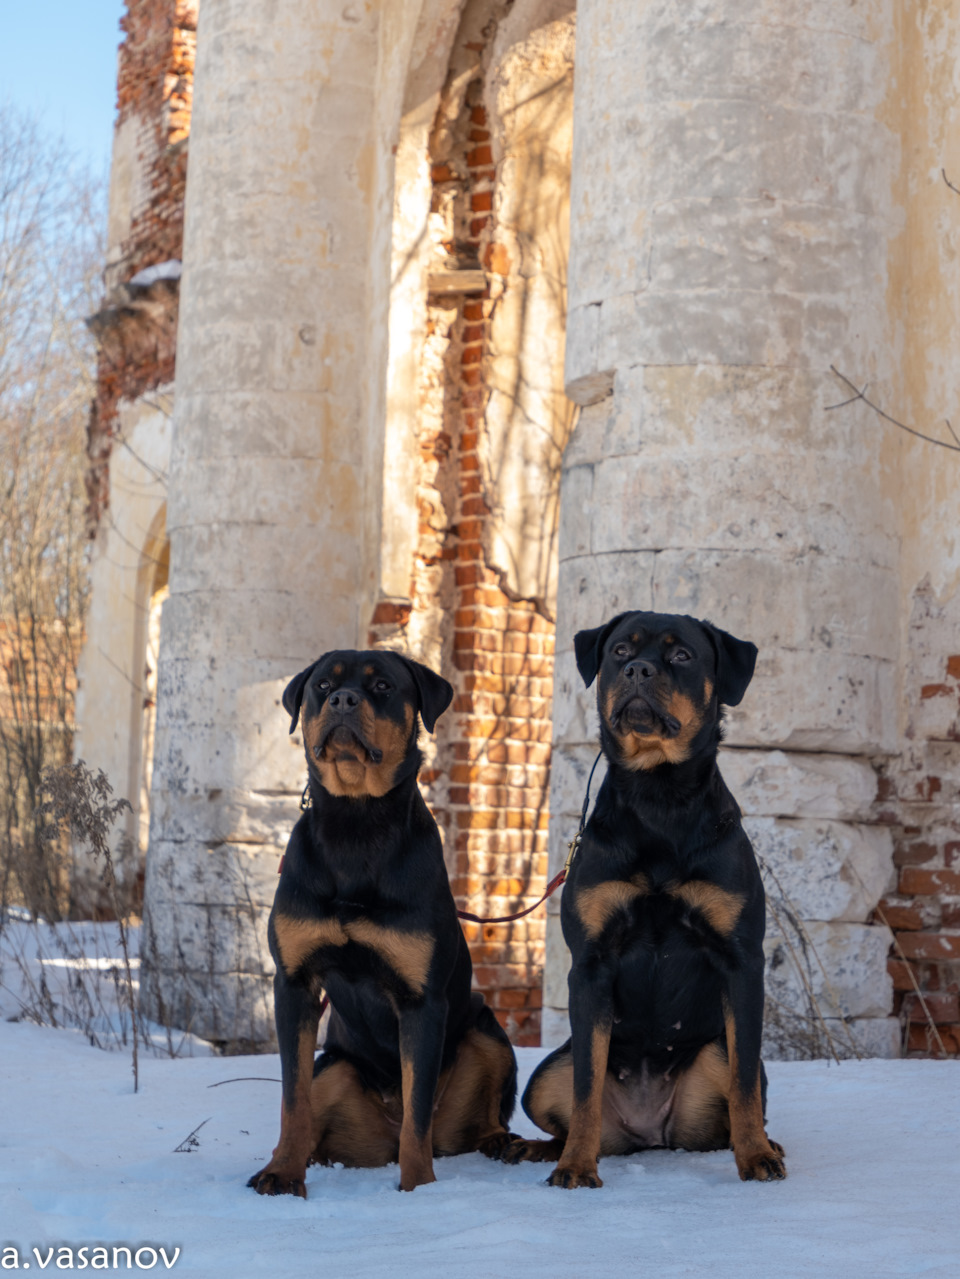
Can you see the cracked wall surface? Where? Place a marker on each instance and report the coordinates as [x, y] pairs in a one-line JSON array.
[[710, 290], [498, 319]]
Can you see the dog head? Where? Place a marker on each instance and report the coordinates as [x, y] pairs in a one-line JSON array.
[[661, 680], [359, 716]]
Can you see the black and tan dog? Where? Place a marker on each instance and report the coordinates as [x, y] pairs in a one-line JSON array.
[[414, 1065], [663, 912]]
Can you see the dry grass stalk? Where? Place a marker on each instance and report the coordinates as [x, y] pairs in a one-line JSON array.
[[82, 803]]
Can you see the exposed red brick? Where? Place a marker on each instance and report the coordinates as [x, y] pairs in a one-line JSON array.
[[137, 351], [921, 1039], [899, 916], [942, 1007], [929, 882], [934, 946]]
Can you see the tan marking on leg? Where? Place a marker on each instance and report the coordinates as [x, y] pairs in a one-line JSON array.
[[285, 1172], [416, 1153], [598, 904], [408, 954], [550, 1100], [756, 1158], [352, 1125], [701, 1113], [297, 939], [578, 1163], [720, 908], [467, 1116]]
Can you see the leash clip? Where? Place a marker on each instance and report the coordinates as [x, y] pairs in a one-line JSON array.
[[306, 799], [573, 847]]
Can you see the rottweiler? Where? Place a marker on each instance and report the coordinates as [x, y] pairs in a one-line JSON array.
[[663, 912], [414, 1064]]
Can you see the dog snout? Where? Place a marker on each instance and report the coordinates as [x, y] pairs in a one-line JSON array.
[[344, 700], [639, 671]]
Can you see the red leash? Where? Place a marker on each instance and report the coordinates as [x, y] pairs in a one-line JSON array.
[[551, 889], [557, 880]]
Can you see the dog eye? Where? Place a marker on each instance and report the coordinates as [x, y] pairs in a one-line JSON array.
[[681, 655], [381, 686], [323, 685], [621, 650]]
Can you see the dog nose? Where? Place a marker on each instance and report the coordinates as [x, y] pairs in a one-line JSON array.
[[344, 699], [639, 670]]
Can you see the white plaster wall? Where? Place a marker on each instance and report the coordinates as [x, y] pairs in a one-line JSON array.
[[529, 100], [733, 203], [270, 560], [278, 507], [112, 687]]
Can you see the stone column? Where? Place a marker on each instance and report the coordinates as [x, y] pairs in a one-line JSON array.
[[269, 562], [731, 205]]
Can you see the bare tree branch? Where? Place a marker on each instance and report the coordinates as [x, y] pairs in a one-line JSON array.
[[861, 395], [51, 256]]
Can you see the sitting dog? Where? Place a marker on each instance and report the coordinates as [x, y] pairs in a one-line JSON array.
[[663, 911], [414, 1064]]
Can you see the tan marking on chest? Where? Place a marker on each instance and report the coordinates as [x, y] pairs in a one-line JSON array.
[[408, 954], [597, 905], [720, 908], [298, 939]]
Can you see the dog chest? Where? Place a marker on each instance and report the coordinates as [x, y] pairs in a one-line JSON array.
[[330, 941]]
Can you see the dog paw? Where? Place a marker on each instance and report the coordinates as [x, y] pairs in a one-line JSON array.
[[777, 1148], [574, 1179], [496, 1144], [410, 1180], [762, 1165], [521, 1150], [274, 1182]]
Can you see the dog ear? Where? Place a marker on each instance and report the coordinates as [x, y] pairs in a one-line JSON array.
[[434, 692], [588, 646], [293, 693], [736, 660]]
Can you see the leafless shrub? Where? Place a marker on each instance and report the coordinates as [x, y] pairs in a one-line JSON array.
[[51, 255], [798, 1030], [81, 803]]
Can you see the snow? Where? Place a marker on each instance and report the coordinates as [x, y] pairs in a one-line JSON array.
[[873, 1156], [72, 975], [172, 269]]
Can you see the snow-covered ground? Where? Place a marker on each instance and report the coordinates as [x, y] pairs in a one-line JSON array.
[[873, 1188], [74, 976]]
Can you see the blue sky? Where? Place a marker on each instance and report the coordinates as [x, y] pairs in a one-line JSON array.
[[60, 61]]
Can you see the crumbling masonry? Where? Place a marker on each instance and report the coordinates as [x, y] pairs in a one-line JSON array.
[[494, 319]]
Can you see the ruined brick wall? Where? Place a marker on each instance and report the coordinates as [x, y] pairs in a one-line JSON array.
[[919, 796], [137, 328], [488, 781]]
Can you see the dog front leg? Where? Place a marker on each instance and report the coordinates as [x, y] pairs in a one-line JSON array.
[[298, 1017], [758, 1159], [421, 1048], [591, 1017]]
